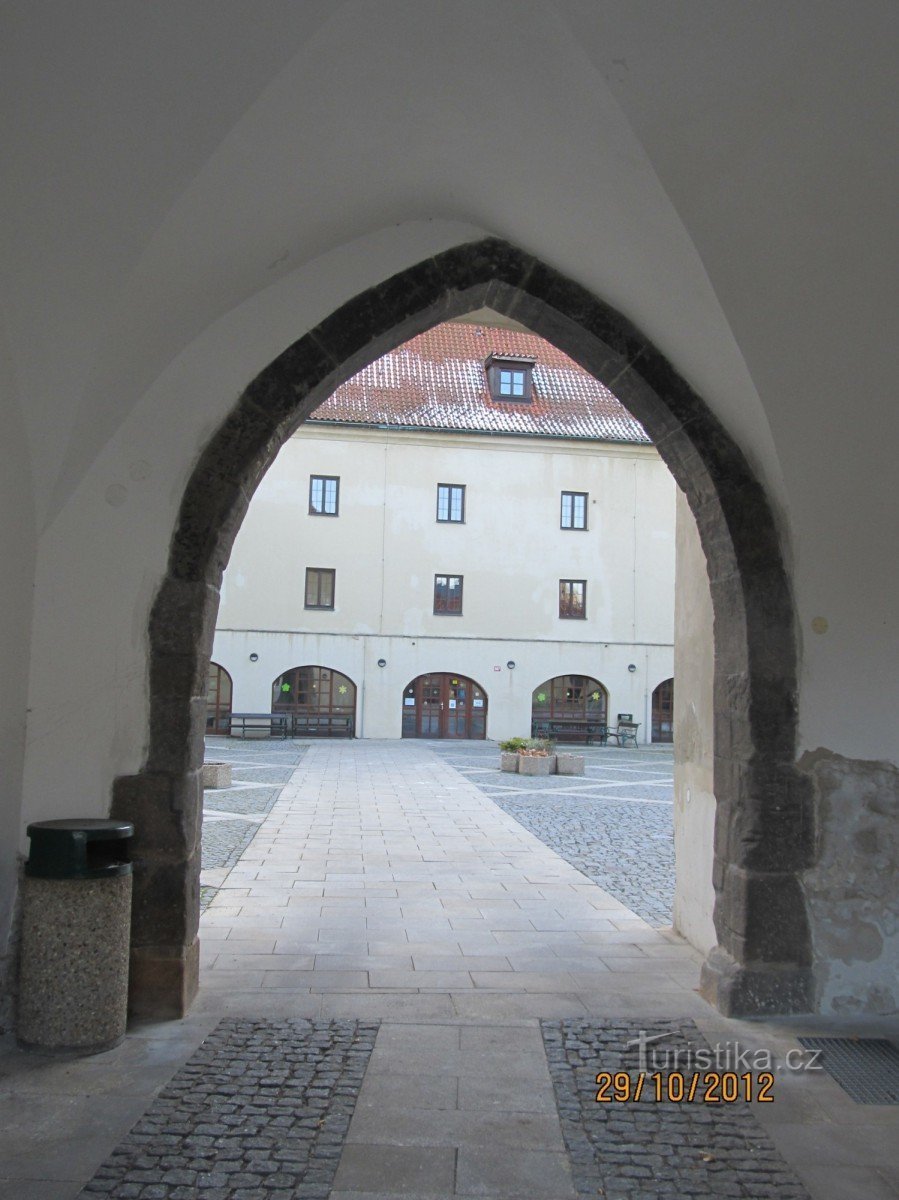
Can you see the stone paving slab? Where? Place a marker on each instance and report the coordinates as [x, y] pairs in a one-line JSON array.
[[649, 1149], [261, 1109], [232, 815], [614, 823]]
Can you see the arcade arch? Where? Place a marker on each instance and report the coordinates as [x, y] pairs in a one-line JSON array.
[[762, 962], [319, 701], [663, 712], [570, 706], [444, 705], [219, 696]]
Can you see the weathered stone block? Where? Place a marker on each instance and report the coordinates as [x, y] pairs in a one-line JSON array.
[[534, 764], [216, 775], [73, 985], [508, 761], [570, 764]]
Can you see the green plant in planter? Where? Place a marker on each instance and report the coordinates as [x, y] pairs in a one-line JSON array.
[[513, 745], [537, 746]]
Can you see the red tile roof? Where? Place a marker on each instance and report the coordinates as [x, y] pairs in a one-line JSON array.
[[437, 381]]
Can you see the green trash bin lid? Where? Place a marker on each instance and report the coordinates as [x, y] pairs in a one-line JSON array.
[[79, 848]]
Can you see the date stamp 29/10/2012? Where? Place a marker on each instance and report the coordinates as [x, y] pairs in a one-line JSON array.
[[679, 1087]]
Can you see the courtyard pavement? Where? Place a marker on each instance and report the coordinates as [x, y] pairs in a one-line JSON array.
[[386, 899]]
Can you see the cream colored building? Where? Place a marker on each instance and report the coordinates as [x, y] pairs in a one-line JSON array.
[[421, 528]]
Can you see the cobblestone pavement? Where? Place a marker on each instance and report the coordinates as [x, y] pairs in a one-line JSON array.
[[232, 816], [649, 1149], [383, 885], [615, 823], [261, 1110]]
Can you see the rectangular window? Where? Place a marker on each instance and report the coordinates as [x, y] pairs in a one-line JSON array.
[[574, 510], [511, 383], [448, 594], [319, 587], [573, 598], [510, 378], [324, 495], [451, 502]]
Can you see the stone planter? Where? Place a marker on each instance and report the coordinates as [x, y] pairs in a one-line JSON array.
[[216, 775], [508, 760], [533, 764], [570, 764]]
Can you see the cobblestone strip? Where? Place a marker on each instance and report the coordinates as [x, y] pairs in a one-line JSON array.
[[621, 836], [650, 1150], [261, 1110]]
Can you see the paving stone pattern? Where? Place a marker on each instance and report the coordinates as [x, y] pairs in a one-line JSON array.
[[260, 769], [261, 1110], [614, 824], [652, 1150]]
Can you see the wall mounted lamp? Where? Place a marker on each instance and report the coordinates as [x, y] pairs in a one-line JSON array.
[[382, 662], [511, 664], [254, 657]]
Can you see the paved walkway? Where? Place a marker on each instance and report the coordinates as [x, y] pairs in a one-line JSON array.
[[384, 886], [614, 822]]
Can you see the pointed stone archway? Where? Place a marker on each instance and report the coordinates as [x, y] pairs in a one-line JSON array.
[[764, 833]]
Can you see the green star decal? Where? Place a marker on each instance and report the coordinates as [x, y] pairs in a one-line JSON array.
[[285, 687], [541, 696], [342, 689], [595, 696]]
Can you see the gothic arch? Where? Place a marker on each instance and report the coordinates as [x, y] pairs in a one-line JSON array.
[[763, 829]]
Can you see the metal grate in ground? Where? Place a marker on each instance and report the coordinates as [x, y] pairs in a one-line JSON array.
[[261, 1109], [651, 1147], [867, 1069]]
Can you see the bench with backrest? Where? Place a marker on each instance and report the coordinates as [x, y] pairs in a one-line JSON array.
[[259, 724], [570, 729], [625, 733], [322, 725]]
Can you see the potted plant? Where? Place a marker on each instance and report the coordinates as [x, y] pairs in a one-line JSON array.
[[508, 760], [537, 757]]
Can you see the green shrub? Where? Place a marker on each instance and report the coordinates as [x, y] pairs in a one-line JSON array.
[[513, 745]]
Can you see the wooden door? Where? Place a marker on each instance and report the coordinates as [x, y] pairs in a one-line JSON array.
[[443, 705]]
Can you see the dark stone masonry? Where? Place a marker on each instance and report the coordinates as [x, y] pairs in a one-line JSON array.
[[649, 1149], [766, 835], [261, 1110]]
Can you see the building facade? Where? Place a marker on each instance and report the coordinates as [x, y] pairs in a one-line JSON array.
[[487, 545]]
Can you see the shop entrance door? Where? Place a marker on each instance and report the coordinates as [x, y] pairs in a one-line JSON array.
[[444, 706]]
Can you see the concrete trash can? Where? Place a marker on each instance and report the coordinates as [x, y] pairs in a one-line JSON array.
[[76, 926]]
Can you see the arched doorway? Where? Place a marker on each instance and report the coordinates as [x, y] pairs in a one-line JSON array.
[[570, 707], [319, 701], [219, 690], [663, 712], [764, 820], [444, 705]]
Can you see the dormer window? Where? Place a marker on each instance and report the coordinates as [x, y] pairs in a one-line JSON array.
[[509, 378]]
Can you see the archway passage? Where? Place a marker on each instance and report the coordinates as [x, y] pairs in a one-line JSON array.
[[663, 712], [765, 828], [572, 707], [444, 706], [219, 691], [319, 702]]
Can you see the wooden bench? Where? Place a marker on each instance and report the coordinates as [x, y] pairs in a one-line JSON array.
[[321, 725], [571, 730], [271, 724]]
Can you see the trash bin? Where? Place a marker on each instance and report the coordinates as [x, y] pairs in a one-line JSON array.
[[76, 918]]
